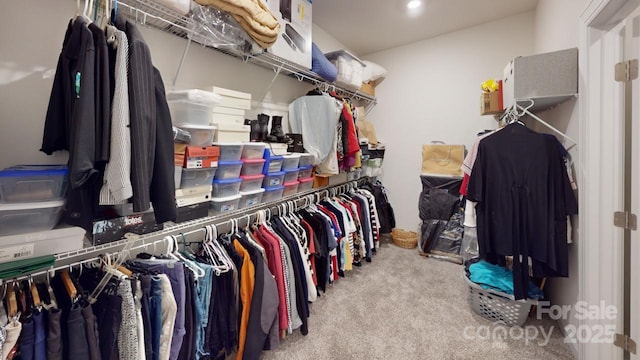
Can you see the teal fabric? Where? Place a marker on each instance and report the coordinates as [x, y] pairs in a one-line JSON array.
[[495, 277]]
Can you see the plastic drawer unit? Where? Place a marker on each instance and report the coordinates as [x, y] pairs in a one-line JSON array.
[[226, 187], [290, 175], [225, 204], [273, 163], [305, 160], [305, 172], [229, 151], [290, 161], [192, 106], [252, 167], [251, 183], [305, 184], [197, 177], [228, 169], [30, 183], [250, 198], [272, 194], [273, 179], [29, 217], [254, 150], [290, 188], [201, 135]]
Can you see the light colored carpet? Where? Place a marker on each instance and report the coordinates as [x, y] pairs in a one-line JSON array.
[[405, 306]]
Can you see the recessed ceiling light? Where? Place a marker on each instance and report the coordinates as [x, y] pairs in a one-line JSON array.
[[414, 4]]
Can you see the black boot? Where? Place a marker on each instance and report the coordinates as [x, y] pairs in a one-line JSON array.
[[263, 123], [276, 129], [255, 130]]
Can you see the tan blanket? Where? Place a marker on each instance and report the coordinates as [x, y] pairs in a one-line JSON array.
[[253, 16]]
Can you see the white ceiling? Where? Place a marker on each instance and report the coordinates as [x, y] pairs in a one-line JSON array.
[[368, 26]]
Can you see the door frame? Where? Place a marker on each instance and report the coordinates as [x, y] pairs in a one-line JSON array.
[[601, 158]]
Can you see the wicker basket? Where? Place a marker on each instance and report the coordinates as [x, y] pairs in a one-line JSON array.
[[497, 306], [404, 239]]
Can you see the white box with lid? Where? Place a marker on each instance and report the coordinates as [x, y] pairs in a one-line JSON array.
[[192, 106], [197, 177], [251, 183], [305, 159], [290, 188], [350, 68], [228, 169], [225, 188], [290, 161], [40, 243], [20, 218], [229, 151], [253, 150], [252, 167], [272, 194]]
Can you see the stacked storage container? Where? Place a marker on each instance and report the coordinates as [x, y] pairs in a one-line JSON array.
[[291, 170], [273, 177], [305, 175], [191, 112], [31, 198], [31, 202], [251, 190], [227, 182]]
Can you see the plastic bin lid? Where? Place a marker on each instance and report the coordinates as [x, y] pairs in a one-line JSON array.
[[306, 179], [274, 157], [227, 144], [196, 127], [253, 161], [255, 144], [225, 199], [227, 181], [229, 163], [199, 169], [248, 193], [291, 183], [200, 97], [291, 170], [34, 170], [292, 155], [306, 167], [31, 205], [252, 177], [274, 188], [277, 173]]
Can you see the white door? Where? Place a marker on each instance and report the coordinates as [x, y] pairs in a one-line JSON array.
[[632, 51]]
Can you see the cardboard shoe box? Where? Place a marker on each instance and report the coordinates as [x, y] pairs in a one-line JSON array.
[[201, 157], [294, 42], [368, 88], [106, 231], [491, 103], [192, 212]]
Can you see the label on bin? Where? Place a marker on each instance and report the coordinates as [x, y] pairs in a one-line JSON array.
[[228, 207], [16, 252], [274, 181], [251, 202]]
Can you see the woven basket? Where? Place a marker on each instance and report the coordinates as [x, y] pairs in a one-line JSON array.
[[404, 239]]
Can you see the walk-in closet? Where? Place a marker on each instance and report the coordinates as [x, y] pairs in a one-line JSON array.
[[297, 179]]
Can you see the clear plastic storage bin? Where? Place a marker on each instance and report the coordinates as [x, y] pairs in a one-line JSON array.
[[290, 188], [201, 135], [250, 198], [305, 160], [272, 194], [290, 175], [305, 184], [197, 177], [253, 150], [251, 183], [290, 161], [273, 179], [228, 169], [273, 163], [29, 217], [305, 172], [252, 167], [192, 106], [225, 204], [229, 151], [226, 188], [29, 183]]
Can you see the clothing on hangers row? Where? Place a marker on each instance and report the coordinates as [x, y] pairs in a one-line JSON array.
[[200, 300]]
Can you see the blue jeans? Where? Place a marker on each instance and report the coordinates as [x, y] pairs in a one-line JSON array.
[[155, 314], [203, 301]]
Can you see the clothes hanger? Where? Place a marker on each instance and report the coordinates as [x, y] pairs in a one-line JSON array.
[[52, 297], [34, 293], [12, 301], [197, 271], [68, 285]]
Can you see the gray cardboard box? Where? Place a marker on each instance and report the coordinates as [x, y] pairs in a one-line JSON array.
[[25, 246], [548, 78]]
